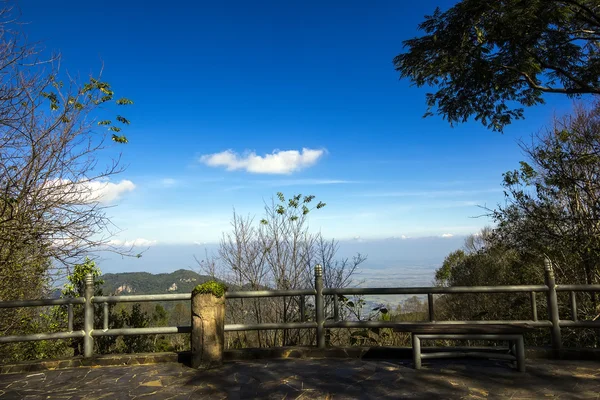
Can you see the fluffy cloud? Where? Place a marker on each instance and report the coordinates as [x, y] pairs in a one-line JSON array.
[[104, 192], [107, 192], [278, 162], [139, 242]]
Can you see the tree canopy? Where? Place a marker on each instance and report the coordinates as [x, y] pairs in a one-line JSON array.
[[553, 199], [488, 59], [552, 209]]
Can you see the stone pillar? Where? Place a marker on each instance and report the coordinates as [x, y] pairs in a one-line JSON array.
[[208, 325], [553, 309], [88, 317], [319, 306]]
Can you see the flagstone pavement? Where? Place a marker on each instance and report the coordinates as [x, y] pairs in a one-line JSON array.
[[313, 379]]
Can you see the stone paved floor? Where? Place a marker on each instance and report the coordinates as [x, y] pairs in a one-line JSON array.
[[314, 379]]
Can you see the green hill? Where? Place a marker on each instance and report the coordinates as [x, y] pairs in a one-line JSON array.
[[127, 283]]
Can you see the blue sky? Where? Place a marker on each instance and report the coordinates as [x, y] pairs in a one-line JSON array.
[[309, 83]]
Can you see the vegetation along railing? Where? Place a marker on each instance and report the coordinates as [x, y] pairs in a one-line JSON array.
[[320, 322]]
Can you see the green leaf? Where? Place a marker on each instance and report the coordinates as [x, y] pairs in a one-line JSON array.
[[563, 135], [123, 101], [122, 120], [119, 139], [86, 88], [105, 122], [527, 171]]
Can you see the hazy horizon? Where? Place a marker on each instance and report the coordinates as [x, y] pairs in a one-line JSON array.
[[390, 262]]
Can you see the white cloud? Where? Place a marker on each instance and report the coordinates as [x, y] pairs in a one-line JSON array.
[[139, 242], [236, 187], [107, 192], [430, 193], [104, 192], [168, 182], [447, 235], [289, 182], [278, 162], [308, 182]]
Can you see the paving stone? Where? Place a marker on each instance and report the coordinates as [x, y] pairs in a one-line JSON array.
[[312, 379]]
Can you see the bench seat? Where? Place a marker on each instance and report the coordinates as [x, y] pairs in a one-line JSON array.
[[513, 334]]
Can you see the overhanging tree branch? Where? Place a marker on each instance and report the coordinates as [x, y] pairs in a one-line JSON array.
[[547, 89]]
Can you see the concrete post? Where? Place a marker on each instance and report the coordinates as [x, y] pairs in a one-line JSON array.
[[319, 306], [416, 342], [430, 306], [88, 317], [553, 309], [208, 329]]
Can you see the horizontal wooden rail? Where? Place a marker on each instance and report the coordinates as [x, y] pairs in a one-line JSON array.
[[412, 324], [159, 330], [41, 302], [140, 298], [41, 336], [578, 288], [270, 326], [438, 290]]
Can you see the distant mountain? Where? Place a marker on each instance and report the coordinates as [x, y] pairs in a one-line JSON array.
[[126, 283]]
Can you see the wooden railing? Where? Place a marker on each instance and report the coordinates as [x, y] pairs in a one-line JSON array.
[[320, 321]]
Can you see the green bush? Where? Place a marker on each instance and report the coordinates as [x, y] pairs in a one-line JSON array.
[[215, 288]]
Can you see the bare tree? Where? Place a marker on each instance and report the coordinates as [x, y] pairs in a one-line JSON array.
[[279, 253], [51, 209]]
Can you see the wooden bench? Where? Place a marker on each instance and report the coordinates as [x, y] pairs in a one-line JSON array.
[[511, 333]]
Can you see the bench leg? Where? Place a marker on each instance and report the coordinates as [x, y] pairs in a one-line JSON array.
[[512, 350], [521, 354], [416, 351]]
